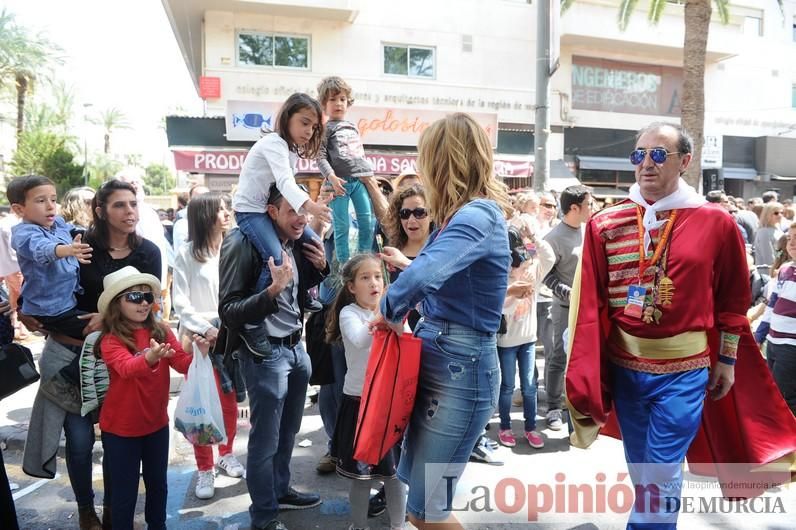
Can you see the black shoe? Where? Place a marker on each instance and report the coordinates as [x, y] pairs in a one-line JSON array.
[[295, 500], [377, 504], [311, 305], [272, 525], [256, 340]]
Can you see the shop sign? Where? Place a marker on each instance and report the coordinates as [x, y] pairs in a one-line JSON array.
[[712, 151], [616, 86], [209, 87], [231, 162], [377, 125]]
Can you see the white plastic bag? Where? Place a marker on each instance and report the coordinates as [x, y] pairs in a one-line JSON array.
[[198, 416]]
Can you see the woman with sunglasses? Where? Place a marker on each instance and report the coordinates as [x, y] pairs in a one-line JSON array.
[[408, 225], [768, 235], [116, 245], [460, 279]]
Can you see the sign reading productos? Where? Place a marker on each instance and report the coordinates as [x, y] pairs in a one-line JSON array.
[[616, 86]]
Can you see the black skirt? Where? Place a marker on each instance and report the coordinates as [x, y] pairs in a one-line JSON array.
[[342, 451]]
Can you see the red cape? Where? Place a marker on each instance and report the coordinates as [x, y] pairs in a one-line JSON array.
[[751, 426]]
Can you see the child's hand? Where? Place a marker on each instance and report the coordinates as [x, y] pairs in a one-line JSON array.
[[78, 249], [157, 351], [202, 344], [337, 185], [319, 210]]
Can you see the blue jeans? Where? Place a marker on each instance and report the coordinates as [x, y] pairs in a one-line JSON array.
[[358, 194], [79, 433], [277, 388], [125, 456], [259, 230], [456, 395], [658, 415], [331, 395], [524, 356]]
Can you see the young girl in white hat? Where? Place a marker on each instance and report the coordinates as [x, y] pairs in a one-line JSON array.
[[138, 350]]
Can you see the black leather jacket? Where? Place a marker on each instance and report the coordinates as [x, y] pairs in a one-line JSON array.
[[239, 267]]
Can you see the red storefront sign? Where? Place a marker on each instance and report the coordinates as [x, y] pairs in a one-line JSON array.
[[209, 87], [230, 163]]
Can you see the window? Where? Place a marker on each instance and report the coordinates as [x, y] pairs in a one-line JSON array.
[[263, 49], [408, 60], [793, 96], [753, 26], [794, 29]]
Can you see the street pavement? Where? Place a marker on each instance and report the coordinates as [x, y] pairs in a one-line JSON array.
[[533, 488]]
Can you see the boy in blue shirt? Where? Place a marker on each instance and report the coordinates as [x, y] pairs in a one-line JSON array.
[[48, 256]]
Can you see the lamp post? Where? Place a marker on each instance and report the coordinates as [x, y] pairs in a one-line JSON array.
[[86, 106]]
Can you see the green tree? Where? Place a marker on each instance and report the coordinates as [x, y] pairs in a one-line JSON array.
[[697, 14], [111, 119], [102, 168], [23, 58], [46, 153], [159, 180]]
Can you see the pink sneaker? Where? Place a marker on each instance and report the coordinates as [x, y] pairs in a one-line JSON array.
[[535, 439], [506, 438]]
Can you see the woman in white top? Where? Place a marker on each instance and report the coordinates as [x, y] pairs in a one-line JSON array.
[[196, 302], [768, 234]]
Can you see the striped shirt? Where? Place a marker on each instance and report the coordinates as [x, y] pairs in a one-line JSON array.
[[779, 320]]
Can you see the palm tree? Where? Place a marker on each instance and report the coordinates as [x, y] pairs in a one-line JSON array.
[[111, 119], [697, 24], [23, 57]]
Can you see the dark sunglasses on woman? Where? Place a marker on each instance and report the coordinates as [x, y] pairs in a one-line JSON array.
[[139, 297], [419, 213]]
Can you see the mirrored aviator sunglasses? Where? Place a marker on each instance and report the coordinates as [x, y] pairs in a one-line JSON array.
[[139, 297], [419, 213], [658, 155]]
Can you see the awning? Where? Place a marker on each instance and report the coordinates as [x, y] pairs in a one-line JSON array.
[[561, 177], [739, 173], [605, 163]]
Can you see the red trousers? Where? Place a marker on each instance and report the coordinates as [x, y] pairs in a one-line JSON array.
[[229, 409]]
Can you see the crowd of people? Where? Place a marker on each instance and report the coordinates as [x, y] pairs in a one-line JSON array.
[[479, 275]]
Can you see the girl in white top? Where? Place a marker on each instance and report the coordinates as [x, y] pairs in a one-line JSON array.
[[272, 161], [196, 302], [354, 307]]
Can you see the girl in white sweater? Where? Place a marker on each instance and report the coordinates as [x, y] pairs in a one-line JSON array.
[[354, 307], [532, 258], [196, 302]]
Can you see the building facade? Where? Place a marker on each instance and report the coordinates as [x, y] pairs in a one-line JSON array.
[[411, 62]]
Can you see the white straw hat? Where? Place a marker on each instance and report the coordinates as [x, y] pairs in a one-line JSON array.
[[116, 282]]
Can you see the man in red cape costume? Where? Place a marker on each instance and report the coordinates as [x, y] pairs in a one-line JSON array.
[[661, 353]]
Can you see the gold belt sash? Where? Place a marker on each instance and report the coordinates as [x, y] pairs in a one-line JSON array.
[[678, 347]]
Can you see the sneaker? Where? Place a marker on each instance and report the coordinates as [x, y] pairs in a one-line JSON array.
[[205, 485], [535, 439], [256, 340], [506, 437], [272, 525], [311, 305], [377, 504], [230, 465], [295, 500], [484, 453], [325, 464], [554, 420]]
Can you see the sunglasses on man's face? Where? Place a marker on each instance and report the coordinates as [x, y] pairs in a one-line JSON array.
[[139, 297], [419, 213], [657, 154]]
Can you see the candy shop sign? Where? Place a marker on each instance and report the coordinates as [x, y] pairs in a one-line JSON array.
[[377, 125]]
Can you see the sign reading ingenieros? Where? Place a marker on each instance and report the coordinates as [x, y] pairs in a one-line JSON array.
[[230, 163], [377, 125], [618, 86]]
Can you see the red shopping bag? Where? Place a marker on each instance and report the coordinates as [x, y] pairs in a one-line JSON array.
[[388, 394]]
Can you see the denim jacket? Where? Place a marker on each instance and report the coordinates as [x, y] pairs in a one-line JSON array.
[[461, 274], [50, 282]]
